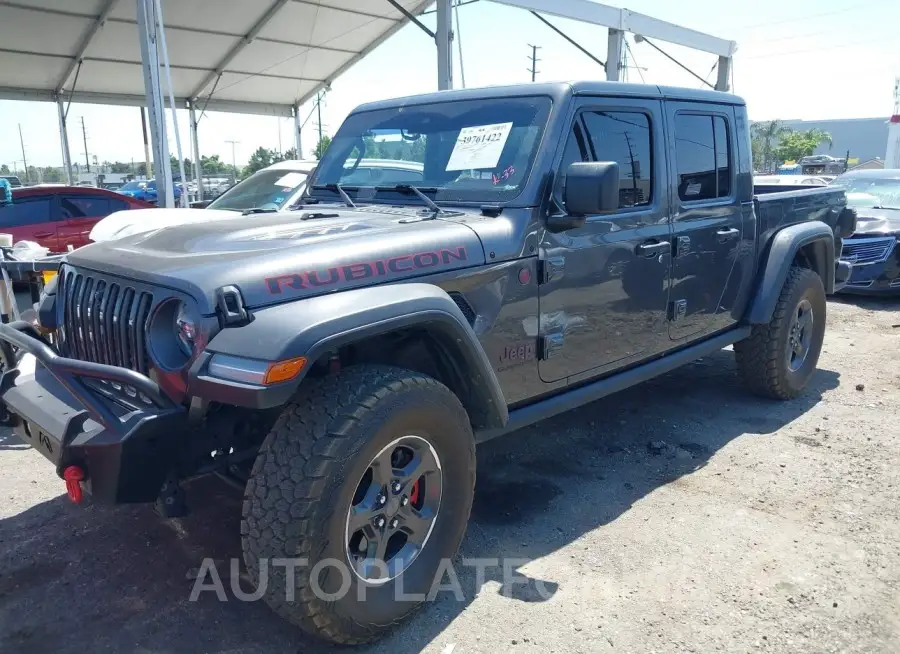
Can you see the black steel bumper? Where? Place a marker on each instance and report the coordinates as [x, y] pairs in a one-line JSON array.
[[113, 423]]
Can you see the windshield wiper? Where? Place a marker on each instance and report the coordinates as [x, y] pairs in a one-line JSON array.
[[877, 206], [339, 189], [252, 210], [418, 190]]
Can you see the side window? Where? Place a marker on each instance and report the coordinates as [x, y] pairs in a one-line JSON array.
[[117, 205], [576, 150], [624, 137], [702, 157], [85, 206], [723, 156], [25, 211]]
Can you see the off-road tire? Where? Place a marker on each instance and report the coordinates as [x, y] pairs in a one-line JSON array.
[[762, 357], [304, 478]]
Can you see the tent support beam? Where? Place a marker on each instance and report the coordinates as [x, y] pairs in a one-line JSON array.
[[298, 132], [64, 140], [195, 150], [614, 46], [444, 38], [86, 42], [246, 40], [162, 167], [724, 73]]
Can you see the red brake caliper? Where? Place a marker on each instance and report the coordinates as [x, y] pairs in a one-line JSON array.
[[414, 493]]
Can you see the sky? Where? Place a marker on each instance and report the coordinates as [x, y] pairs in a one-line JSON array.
[[823, 60]]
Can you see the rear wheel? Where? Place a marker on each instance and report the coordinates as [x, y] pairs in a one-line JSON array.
[[369, 476], [778, 359]]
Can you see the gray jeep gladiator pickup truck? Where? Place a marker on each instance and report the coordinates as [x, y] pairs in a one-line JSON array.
[[557, 243]]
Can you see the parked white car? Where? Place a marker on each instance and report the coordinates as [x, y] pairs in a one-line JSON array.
[[275, 188]]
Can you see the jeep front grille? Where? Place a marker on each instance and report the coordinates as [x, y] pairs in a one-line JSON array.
[[868, 250], [103, 320]]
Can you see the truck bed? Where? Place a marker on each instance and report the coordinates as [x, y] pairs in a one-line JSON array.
[[776, 210]]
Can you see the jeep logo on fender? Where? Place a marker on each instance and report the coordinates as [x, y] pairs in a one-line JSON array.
[[381, 268]]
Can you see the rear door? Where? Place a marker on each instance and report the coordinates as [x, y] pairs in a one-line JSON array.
[[29, 219], [707, 219], [79, 213]]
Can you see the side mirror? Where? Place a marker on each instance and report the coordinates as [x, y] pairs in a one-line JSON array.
[[592, 188]]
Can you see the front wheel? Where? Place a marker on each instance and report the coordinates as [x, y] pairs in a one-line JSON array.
[[778, 359], [366, 483]]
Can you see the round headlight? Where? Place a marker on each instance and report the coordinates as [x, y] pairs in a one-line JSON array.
[[185, 330]]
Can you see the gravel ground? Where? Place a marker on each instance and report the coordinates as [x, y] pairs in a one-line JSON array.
[[681, 515]]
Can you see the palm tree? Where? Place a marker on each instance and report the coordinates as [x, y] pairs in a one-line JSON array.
[[763, 138]]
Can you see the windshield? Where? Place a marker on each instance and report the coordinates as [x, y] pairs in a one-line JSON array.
[[867, 192], [132, 186], [470, 151], [265, 189]]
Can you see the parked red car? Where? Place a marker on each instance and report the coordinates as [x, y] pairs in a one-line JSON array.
[[59, 216]]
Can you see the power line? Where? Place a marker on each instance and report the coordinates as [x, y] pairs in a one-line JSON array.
[[533, 70], [855, 7], [634, 59], [818, 49]]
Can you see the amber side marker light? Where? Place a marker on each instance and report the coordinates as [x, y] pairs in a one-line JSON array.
[[281, 371]]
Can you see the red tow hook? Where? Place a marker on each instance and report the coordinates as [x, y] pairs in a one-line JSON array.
[[73, 476]]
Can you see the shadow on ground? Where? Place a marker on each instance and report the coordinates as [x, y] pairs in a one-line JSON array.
[[118, 578], [869, 302]]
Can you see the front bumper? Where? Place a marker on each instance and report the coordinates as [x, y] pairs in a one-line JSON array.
[[880, 278], [113, 423]]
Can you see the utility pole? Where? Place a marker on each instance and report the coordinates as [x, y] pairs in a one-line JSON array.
[[533, 70], [233, 163], [87, 161], [24, 160]]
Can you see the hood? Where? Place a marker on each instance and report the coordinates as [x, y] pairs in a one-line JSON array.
[[136, 221], [279, 257], [877, 222]]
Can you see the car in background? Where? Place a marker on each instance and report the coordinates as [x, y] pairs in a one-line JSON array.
[[276, 188], [14, 181], [146, 191], [872, 250], [60, 217]]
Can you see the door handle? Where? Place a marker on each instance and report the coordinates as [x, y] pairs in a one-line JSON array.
[[42, 234], [652, 248], [725, 235]]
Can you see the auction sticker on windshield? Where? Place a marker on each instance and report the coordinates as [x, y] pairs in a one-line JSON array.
[[290, 180], [479, 146]]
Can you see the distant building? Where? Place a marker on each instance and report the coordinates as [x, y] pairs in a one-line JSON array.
[[865, 138]]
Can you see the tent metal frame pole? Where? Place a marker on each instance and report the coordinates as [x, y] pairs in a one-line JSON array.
[[614, 47], [162, 167], [298, 132], [724, 74], [195, 150], [444, 40], [64, 139]]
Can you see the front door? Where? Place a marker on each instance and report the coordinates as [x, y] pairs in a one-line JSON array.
[[78, 215], [707, 220], [604, 285]]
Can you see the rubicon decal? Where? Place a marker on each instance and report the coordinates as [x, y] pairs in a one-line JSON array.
[[399, 266]]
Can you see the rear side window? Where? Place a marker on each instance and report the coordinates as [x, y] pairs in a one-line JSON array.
[[624, 137], [25, 211], [84, 206], [702, 157]]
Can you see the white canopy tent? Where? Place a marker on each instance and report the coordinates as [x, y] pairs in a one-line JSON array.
[[262, 57]]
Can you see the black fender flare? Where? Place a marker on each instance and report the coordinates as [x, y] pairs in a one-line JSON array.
[[775, 267], [315, 326]]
